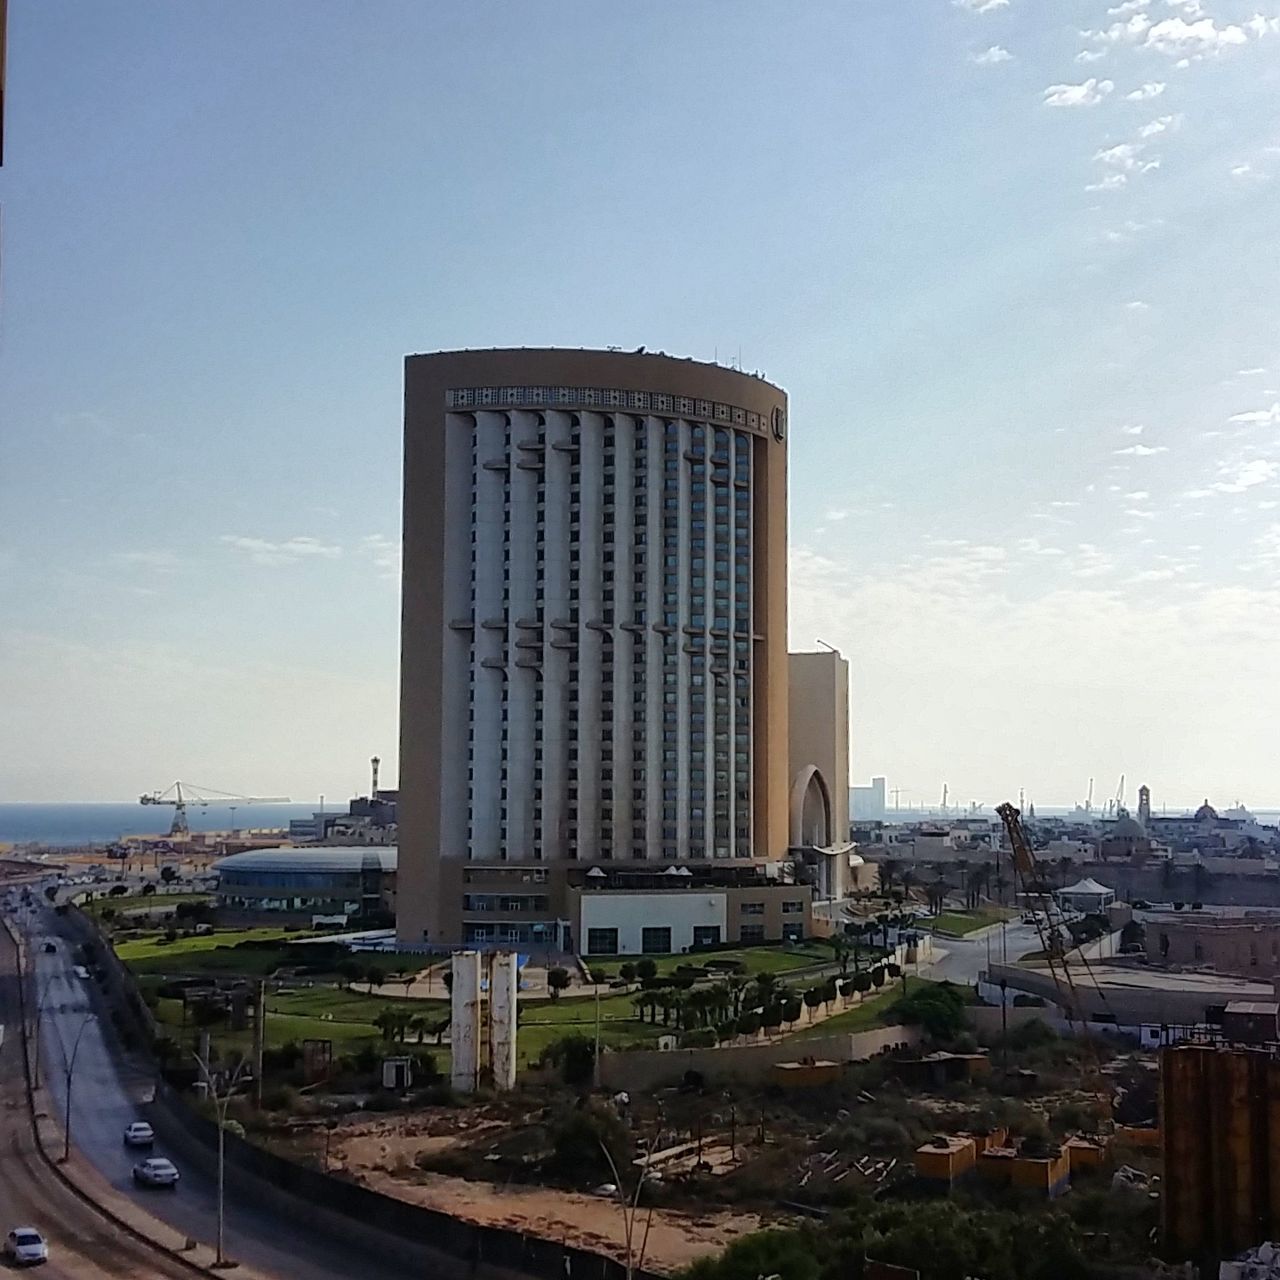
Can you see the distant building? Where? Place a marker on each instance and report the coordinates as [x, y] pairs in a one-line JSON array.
[[356, 883], [1241, 942], [868, 803]]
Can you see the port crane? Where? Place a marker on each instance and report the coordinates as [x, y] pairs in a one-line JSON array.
[[181, 794]]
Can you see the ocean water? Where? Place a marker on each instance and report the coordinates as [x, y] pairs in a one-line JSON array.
[[77, 824]]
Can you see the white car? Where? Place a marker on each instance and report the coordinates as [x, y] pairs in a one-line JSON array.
[[156, 1172], [139, 1134], [25, 1247], [80, 971]]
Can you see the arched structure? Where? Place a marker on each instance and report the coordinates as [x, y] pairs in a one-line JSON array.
[[810, 810]]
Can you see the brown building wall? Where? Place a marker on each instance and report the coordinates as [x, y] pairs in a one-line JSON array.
[[430, 890], [818, 733], [1244, 948], [1219, 1121]]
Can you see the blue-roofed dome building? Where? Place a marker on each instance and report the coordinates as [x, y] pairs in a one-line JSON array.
[[352, 881]]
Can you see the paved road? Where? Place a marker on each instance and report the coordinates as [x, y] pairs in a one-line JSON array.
[[83, 1245], [105, 1096], [967, 957]]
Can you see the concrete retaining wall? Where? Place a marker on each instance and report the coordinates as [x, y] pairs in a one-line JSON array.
[[652, 1068]]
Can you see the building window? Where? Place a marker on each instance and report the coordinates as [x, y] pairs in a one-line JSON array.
[[706, 935], [654, 941], [602, 942], [792, 908], [753, 908], [751, 933]]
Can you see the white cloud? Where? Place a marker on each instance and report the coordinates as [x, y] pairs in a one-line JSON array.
[[1243, 171], [1088, 94], [385, 554], [1260, 26], [1112, 182], [1152, 89], [835, 515], [1124, 155], [1140, 450], [1138, 495], [1237, 477], [981, 6], [1129, 6], [1132, 429], [1091, 55], [291, 551], [992, 56], [1259, 417], [1137, 305], [1161, 124], [1182, 39], [1250, 373]]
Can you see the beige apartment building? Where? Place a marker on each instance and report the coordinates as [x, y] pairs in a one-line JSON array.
[[593, 648]]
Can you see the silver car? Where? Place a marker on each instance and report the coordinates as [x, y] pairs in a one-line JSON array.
[[156, 1172]]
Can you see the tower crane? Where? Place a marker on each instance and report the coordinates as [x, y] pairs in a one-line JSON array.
[[181, 794]]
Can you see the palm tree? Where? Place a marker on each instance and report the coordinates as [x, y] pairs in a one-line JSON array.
[[840, 948], [765, 983], [418, 1025], [888, 870]]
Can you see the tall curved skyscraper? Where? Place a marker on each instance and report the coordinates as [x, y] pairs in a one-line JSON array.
[[593, 646]]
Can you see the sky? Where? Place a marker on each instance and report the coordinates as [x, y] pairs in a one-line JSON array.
[[1015, 262]]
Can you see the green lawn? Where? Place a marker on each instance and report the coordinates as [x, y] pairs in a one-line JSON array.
[[870, 1013], [962, 922], [342, 1005]]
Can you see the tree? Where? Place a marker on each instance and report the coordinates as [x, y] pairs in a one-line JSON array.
[[646, 968], [812, 999], [627, 972], [862, 982], [791, 1011], [877, 976], [169, 874], [830, 992], [749, 1024], [117, 891], [766, 983], [558, 980], [51, 892], [840, 948], [373, 976], [575, 1055], [148, 889], [772, 1019], [888, 871], [737, 987], [387, 1022], [937, 1007], [782, 1252]]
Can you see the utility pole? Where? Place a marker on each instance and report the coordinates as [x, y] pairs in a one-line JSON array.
[[70, 1073]]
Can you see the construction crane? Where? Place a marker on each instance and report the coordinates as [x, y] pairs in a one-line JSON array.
[[181, 794], [1035, 887]]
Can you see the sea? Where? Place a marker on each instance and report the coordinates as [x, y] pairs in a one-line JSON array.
[[84, 824]]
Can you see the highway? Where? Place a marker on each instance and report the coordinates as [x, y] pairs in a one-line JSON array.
[[83, 1245], [106, 1092]]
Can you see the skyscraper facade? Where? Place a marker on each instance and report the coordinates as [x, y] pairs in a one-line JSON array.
[[593, 648]]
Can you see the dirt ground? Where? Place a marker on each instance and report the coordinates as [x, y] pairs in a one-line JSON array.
[[381, 1157]]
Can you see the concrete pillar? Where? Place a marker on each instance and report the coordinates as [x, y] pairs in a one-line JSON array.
[[464, 1025], [503, 985]]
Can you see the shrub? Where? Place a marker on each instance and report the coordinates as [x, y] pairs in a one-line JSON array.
[[558, 980], [575, 1055], [702, 1038], [647, 969]]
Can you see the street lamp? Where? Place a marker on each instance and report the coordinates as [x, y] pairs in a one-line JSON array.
[[70, 1072], [221, 1101], [41, 997]]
